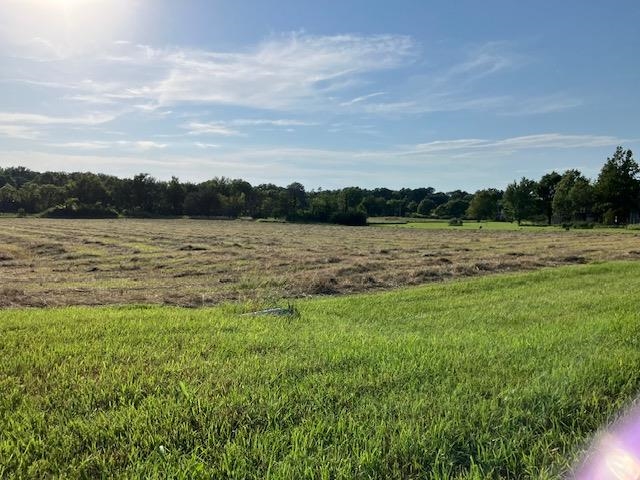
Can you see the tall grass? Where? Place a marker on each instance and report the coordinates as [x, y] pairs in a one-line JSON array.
[[498, 377]]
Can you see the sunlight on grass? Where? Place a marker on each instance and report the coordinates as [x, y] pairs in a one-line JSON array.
[[501, 376]]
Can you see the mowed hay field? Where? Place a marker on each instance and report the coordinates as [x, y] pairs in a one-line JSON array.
[[505, 376], [198, 263]]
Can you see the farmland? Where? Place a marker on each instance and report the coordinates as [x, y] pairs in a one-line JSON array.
[[199, 263], [505, 376]]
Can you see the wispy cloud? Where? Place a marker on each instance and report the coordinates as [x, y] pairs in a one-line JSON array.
[[206, 145], [282, 122], [361, 98], [141, 145], [200, 128], [37, 119], [29, 126], [546, 140]]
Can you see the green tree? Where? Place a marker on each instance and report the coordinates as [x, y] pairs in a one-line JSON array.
[[9, 198], [455, 208], [296, 199], [175, 193], [546, 190], [519, 199], [88, 188], [618, 188], [582, 197], [485, 204], [563, 207], [426, 206]]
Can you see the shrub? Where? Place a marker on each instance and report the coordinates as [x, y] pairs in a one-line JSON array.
[[455, 222], [21, 213], [583, 225], [80, 210], [355, 218]]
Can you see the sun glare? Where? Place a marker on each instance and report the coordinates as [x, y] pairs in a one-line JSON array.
[[73, 26]]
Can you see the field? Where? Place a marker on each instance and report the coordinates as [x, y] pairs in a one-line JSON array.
[[198, 263], [505, 376]]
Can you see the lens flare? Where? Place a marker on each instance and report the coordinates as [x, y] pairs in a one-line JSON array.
[[615, 455]]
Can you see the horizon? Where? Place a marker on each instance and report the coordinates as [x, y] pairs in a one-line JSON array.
[[453, 97]]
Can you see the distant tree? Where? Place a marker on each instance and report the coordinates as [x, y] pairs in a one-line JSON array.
[[439, 198], [176, 194], [88, 188], [582, 198], [204, 200], [426, 206], [563, 207], [9, 198], [350, 198], [617, 188], [455, 208], [485, 204], [29, 196], [395, 207], [143, 193], [51, 195], [296, 199], [374, 206], [519, 199], [546, 190]]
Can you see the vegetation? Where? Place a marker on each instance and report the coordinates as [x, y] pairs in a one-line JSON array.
[[47, 262], [500, 377], [614, 198]]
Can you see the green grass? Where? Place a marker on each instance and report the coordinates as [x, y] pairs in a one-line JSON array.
[[497, 377]]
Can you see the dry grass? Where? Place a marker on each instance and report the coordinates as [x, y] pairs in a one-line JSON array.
[[193, 263]]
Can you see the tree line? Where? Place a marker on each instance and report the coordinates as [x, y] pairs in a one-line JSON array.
[[569, 197]]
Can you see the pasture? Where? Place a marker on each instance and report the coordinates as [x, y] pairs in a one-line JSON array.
[[199, 263], [506, 376]]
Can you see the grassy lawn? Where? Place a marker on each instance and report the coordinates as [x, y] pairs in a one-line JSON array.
[[496, 377]]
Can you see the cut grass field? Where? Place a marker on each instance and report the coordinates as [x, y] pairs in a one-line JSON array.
[[431, 224], [506, 376], [196, 263]]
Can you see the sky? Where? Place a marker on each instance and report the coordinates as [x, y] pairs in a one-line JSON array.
[[333, 93]]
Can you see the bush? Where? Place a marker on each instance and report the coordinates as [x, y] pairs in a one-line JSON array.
[[80, 210], [455, 222], [583, 225], [21, 213], [354, 218]]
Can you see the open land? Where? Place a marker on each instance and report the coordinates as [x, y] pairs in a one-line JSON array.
[[197, 263], [506, 376]]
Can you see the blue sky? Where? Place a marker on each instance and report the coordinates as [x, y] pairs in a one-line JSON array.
[[462, 94]]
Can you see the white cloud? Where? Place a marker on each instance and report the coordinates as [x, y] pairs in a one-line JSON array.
[[526, 142], [282, 122], [284, 73], [18, 131], [141, 145], [29, 126], [206, 145], [37, 119], [200, 128], [361, 98]]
